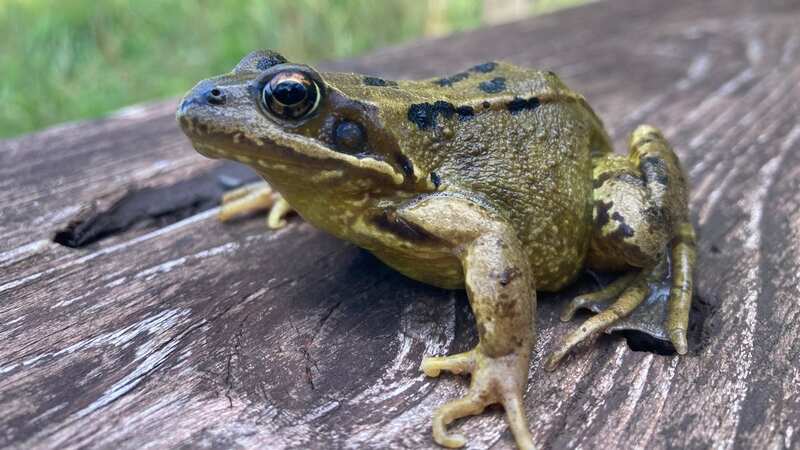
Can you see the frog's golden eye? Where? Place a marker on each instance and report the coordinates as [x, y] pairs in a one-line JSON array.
[[290, 95]]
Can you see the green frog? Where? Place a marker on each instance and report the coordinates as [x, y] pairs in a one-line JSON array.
[[498, 179]]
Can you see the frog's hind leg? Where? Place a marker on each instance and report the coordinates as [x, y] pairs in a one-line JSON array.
[[254, 198], [642, 227]]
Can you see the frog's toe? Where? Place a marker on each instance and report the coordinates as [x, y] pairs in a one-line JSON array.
[[678, 339], [254, 198], [469, 405], [248, 199], [677, 321], [257, 188], [633, 294], [597, 299], [460, 363], [279, 210], [473, 404], [494, 380], [682, 261]]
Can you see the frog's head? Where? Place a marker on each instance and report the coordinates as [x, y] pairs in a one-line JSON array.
[[314, 137]]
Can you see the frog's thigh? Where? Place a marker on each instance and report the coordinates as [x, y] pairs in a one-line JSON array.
[[629, 229]]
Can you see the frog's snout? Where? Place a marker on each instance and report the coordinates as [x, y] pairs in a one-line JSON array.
[[203, 102], [202, 95]]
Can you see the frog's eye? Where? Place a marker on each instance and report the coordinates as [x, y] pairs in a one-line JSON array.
[[290, 95]]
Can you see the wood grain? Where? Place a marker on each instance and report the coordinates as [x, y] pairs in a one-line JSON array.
[[185, 333]]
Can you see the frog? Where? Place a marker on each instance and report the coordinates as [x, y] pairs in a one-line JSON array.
[[499, 180]]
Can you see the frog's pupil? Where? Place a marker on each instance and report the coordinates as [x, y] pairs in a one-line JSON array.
[[290, 92]]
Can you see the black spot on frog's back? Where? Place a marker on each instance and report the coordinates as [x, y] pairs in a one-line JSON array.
[[465, 112], [379, 82], [422, 115], [519, 104], [460, 76], [448, 81], [485, 67], [446, 109], [493, 86], [425, 115]]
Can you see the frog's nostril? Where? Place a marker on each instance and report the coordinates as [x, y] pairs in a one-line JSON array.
[[215, 96]]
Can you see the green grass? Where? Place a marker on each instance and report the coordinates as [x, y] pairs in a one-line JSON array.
[[72, 59]]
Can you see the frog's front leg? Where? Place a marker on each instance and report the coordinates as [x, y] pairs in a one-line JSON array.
[[501, 293], [641, 226], [253, 198]]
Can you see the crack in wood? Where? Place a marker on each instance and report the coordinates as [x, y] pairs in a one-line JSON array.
[[154, 206]]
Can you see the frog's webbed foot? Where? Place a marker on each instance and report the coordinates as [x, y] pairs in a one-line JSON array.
[[494, 380], [254, 198], [654, 301], [633, 292]]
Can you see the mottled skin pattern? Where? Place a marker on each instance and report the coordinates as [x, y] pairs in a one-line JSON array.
[[497, 179]]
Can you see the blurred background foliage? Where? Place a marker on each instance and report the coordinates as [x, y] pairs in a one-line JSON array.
[[72, 59]]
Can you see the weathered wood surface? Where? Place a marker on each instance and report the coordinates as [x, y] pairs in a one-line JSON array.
[[191, 334]]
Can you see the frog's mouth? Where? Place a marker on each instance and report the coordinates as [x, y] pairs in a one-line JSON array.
[[266, 154], [217, 144]]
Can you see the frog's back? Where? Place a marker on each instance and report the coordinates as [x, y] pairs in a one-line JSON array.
[[522, 142]]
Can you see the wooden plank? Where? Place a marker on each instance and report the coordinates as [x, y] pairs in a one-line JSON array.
[[183, 332]]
